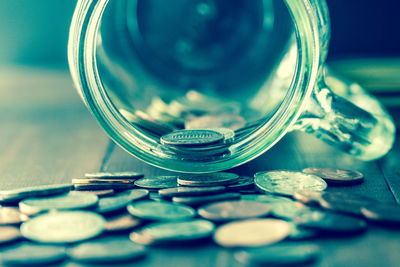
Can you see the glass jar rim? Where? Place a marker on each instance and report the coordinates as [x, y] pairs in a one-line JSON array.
[[82, 61]]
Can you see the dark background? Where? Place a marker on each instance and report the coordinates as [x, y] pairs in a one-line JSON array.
[[36, 32]]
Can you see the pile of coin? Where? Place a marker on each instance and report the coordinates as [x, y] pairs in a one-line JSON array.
[[195, 125], [50, 224]]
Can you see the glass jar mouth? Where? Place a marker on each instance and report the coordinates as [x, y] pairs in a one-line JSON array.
[[83, 66]]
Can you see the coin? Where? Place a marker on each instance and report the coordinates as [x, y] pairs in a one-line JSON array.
[[33, 191], [160, 211], [308, 196], [200, 200], [121, 223], [192, 138], [63, 227], [265, 198], [103, 186], [229, 135], [344, 202], [108, 205], [298, 233], [158, 182], [251, 233], [9, 234], [208, 179], [234, 210], [101, 181], [337, 176], [191, 191], [10, 215], [114, 175], [279, 255], [288, 210], [330, 222], [385, 213], [100, 193], [69, 201], [29, 254], [173, 232], [287, 182], [107, 250], [244, 182]]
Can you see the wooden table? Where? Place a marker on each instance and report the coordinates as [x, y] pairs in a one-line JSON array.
[[48, 136]]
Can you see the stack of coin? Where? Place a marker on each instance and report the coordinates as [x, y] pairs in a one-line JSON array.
[[107, 181], [236, 211]]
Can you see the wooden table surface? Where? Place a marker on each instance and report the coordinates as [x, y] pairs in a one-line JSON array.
[[48, 136]]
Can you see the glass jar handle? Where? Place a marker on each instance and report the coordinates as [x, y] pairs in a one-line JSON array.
[[342, 114]]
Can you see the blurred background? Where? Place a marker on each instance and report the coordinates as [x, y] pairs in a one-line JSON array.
[[36, 32]]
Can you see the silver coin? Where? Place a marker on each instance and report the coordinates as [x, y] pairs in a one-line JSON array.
[[208, 179], [70, 201], [234, 210], [200, 200], [10, 215], [100, 193], [279, 255], [63, 227], [103, 186], [308, 196], [114, 175], [107, 250], [330, 222], [108, 205], [266, 198], [344, 202], [29, 254], [192, 138], [191, 191], [229, 135], [173, 232], [9, 234], [102, 181], [288, 210], [160, 211], [251, 233], [244, 182], [33, 191], [337, 176], [287, 182], [121, 223], [382, 212], [158, 182]]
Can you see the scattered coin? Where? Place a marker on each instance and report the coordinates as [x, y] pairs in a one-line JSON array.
[[244, 182], [287, 182], [70, 201], [160, 211], [266, 198], [108, 205], [10, 215], [385, 213], [192, 138], [34, 191], [337, 176], [29, 254], [100, 193], [200, 200], [107, 250], [158, 182], [101, 181], [115, 175], [173, 232], [9, 234], [279, 255], [191, 191], [251, 233], [63, 227], [103, 186], [330, 222], [308, 196], [234, 210], [344, 202], [121, 223], [208, 179], [288, 210]]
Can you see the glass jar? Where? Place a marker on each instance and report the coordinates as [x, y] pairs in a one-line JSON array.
[[256, 69]]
